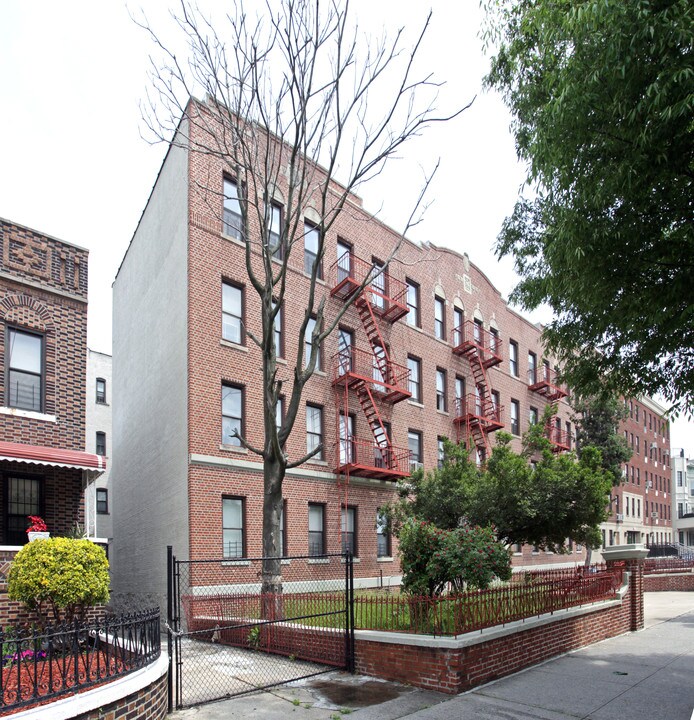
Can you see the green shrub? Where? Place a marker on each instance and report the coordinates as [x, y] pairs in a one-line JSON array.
[[61, 575]]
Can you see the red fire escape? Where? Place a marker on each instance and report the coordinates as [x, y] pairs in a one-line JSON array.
[[478, 413], [546, 384], [376, 380]]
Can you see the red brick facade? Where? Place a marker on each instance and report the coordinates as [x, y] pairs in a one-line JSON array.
[[43, 296]]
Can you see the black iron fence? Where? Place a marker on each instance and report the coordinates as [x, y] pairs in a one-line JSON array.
[[231, 635], [40, 665]]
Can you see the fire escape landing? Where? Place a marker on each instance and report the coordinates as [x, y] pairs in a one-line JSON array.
[[478, 412]]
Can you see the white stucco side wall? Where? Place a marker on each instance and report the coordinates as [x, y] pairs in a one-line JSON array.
[[149, 476]]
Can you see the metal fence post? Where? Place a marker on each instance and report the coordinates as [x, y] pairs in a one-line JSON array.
[[350, 564], [169, 621]]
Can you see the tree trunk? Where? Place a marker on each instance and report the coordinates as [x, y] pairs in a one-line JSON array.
[[271, 589]]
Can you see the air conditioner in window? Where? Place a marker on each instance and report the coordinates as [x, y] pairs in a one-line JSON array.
[[415, 466], [649, 484], [654, 515], [620, 517]]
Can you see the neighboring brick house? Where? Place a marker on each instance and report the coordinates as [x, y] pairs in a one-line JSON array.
[[98, 440], [398, 375], [43, 316], [683, 499]]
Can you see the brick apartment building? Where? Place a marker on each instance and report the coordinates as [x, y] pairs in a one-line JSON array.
[[683, 499], [43, 347], [430, 350]]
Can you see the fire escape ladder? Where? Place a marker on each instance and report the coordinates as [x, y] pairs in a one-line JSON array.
[[373, 417], [477, 429], [373, 332]]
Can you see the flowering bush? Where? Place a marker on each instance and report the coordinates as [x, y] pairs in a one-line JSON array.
[[37, 524], [433, 558], [59, 574]]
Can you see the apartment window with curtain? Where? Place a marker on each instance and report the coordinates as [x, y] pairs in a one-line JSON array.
[[232, 313], [414, 365], [316, 529], [383, 543], [459, 395], [441, 403], [515, 417], [349, 530], [414, 444], [439, 318], [458, 320], [233, 527], [532, 368], [533, 416], [314, 429], [513, 357], [413, 304], [232, 414], [233, 218], [311, 249]]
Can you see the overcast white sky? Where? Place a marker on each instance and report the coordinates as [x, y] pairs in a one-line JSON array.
[[74, 165]]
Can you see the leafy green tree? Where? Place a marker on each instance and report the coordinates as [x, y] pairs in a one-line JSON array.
[[597, 421], [61, 575], [556, 497], [433, 558], [602, 98]]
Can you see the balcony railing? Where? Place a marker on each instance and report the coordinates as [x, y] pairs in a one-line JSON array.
[[386, 294], [471, 336], [363, 458], [475, 409], [560, 439], [544, 381], [352, 366]]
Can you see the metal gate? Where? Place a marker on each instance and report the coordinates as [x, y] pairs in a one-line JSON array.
[[228, 638]]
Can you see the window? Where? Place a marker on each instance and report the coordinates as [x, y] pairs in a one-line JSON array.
[[413, 304], [478, 332], [439, 317], [312, 242], [459, 395], [346, 439], [637, 413], [441, 455], [314, 430], [101, 391], [379, 369], [458, 320], [414, 443], [233, 219], [279, 332], [382, 536], [101, 443], [638, 445], [496, 405], [414, 365], [680, 481], [515, 417], [533, 416], [344, 260], [276, 241], [316, 529], [494, 341], [379, 285], [233, 535], [308, 345], [441, 403], [24, 370], [532, 368], [24, 497], [349, 530], [513, 357], [232, 414], [102, 501], [232, 313], [568, 435], [279, 413], [345, 342], [283, 530]]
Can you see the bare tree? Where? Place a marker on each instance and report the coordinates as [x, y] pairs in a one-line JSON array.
[[295, 98]]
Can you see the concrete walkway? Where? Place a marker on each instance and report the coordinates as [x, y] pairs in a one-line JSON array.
[[644, 675]]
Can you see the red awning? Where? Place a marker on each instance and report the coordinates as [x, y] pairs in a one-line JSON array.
[[56, 457]]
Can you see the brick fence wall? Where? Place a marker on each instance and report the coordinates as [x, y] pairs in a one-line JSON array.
[[149, 703], [668, 582]]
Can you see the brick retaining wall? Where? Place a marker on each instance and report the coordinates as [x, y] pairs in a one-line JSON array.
[[149, 703], [668, 582]]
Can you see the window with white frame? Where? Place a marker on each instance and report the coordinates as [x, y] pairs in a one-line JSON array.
[[414, 365], [439, 317], [25, 372], [316, 529], [383, 544], [314, 429], [233, 218], [233, 535], [515, 417], [232, 313], [232, 414], [414, 444], [308, 345], [311, 250], [441, 403], [349, 530], [413, 304]]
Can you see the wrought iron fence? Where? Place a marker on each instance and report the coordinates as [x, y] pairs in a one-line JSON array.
[[39, 665], [527, 595], [654, 566]]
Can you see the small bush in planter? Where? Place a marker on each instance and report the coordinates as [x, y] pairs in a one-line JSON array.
[[60, 576]]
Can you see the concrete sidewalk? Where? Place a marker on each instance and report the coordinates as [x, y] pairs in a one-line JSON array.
[[648, 674]]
